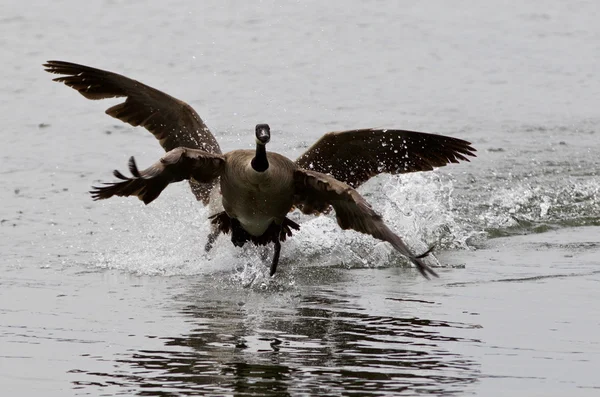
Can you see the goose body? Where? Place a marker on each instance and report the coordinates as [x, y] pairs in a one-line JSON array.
[[259, 188], [248, 195]]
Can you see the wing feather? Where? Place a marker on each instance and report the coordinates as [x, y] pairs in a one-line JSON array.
[[316, 191], [173, 122], [355, 156], [175, 166]]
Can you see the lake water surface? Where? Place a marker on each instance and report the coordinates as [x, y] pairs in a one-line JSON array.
[[118, 298]]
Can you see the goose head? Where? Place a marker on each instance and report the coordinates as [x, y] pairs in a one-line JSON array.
[[263, 134]]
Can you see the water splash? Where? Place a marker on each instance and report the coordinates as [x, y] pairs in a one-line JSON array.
[[168, 237], [522, 207]]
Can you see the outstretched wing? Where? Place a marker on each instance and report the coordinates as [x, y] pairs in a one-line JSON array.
[[355, 156], [175, 166], [173, 122], [316, 191]]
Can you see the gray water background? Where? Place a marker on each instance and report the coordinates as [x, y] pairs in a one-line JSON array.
[[116, 298]]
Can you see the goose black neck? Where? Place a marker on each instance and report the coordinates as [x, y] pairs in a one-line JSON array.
[[260, 162]]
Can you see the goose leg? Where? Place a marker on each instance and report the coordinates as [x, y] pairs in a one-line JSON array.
[[275, 257]]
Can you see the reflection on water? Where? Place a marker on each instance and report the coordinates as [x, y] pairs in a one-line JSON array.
[[320, 343]]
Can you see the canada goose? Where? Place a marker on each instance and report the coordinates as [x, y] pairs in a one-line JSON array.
[[258, 190], [351, 157]]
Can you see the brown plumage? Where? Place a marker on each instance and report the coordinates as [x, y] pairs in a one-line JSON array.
[[256, 200], [259, 190], [173, 122], [355, 156]]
